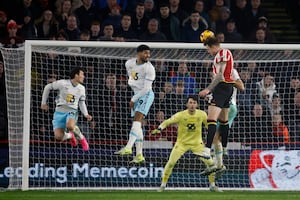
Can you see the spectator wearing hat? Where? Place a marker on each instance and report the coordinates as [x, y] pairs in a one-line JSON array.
[[231, 34], [253, 12], [220, 25], [12, 40], [262, 23]]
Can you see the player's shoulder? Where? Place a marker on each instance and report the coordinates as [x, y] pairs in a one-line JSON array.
[[130, 61]]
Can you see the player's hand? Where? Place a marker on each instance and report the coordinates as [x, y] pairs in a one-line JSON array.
[[156, 131], [88, 117], [204, 92], [44, 107], [131, 104]]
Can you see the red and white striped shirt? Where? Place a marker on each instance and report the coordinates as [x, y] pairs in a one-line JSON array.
[[224, 55]]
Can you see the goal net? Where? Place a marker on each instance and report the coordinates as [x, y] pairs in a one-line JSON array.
[[264, 141]]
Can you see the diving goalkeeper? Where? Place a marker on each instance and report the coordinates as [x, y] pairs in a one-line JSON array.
[[189, 137]]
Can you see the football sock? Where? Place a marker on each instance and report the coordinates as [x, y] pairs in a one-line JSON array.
[[67, 136], [134, 133], [224, 128], [77, 132], [219, 154], [212, 128]]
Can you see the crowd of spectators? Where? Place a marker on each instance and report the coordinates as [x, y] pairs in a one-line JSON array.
[[267, 109], [134, 20]]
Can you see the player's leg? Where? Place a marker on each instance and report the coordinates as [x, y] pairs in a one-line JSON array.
[[59, 126], [208, 161], [73, 128], [212, 183], [213, 113], [177, 151], [224, 127]]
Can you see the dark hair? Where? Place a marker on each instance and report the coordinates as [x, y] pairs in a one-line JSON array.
[[142, 47], [75, 71], [194, 97], [211, 41]]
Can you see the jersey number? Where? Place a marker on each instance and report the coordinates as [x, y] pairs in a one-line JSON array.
[[70, 98], [134, 76], [191, 127]]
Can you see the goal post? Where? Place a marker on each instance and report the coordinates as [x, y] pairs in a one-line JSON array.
[[37, 161]]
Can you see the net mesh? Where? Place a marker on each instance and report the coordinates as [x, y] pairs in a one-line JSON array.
[[58, 165]]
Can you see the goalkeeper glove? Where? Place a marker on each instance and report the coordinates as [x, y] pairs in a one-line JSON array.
[[156, 131]]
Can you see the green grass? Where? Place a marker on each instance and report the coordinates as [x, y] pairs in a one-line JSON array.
[[148, 195]]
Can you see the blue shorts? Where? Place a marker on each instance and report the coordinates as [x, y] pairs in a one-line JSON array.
[[231, 115], [60, 119], [143, 104]]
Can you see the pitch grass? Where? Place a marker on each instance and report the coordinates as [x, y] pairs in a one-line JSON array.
[[148, 195]]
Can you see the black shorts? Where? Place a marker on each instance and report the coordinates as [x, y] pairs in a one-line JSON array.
[[221, 95]]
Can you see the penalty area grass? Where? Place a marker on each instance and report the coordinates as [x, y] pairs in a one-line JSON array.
[[147, 195]]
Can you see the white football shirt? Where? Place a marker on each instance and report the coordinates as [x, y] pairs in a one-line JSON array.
[[138, 74]]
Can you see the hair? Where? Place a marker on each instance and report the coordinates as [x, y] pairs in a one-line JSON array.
[[193, 97], [211, 41], [75, 71], [142, 47]]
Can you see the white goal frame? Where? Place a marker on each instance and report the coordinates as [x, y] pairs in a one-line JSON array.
[[28, 53]]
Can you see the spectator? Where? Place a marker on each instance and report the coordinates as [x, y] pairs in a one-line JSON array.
[[276, 107], [168, 134], [150, 9], [12, 40], [177, 11], [152, 33], [179, 97], [46, 25], [215, 13], [199, 6], [263, 24], [126, 31], [289, 92], [253, 13], [3, 22], [169, 24], [63, 11], [257, 126], [184, 75], [164, 100], [239, 14], [114, 17], [72, 29], [84, 35], [245, 98], [220, 24], [86, 14], [231, 34], [221, 37], [280, 130], [266, 88], [95, 31], [140, 20], [108, 32], [193, 28], [161, 69]]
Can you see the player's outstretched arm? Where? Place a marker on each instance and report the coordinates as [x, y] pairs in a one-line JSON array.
[[239, 85], [45, 96], [156, 131]]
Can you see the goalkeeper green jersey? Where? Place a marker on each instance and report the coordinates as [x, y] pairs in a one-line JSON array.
[[189, 126]]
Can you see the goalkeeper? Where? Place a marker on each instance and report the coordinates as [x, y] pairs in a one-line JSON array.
[[189, 137]]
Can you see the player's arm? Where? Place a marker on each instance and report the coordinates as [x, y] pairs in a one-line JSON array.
[[239, 84], [51, 86], [83, 108], [216, 80], [173, 120]]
